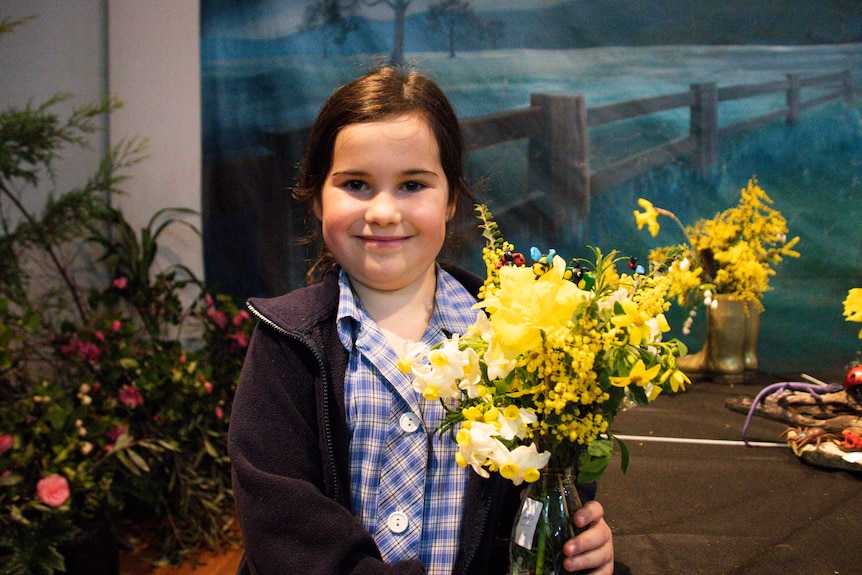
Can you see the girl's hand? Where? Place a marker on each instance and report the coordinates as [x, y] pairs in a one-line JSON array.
[[594, 548]]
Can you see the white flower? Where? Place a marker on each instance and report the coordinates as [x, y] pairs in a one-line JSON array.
[[476, 443], [521, 464], [515, 422], [499, 366], [472, 374], [618, 295]]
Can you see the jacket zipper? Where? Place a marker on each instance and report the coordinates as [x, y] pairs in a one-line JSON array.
[[327, 426]]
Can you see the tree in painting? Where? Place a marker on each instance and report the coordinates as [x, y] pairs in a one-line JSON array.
[[333, 18], [454, 18]]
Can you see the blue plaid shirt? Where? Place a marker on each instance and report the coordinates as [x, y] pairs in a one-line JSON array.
[[407, 489]]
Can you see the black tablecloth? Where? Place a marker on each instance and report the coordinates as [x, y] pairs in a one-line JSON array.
[[688, 508]]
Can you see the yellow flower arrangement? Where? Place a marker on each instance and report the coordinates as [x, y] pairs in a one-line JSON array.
[[555, 351], [853, 306], [733, 253]]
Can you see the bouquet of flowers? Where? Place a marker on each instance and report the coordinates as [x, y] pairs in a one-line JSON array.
[[557, 350], [733, 253]]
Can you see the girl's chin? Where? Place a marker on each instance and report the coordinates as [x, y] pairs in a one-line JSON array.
[[387, 276]]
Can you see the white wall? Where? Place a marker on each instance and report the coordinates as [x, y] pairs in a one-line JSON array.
[[59, 51], [154, 68], [150, 61]]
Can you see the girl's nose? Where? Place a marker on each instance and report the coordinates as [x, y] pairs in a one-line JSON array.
[[383, 209]]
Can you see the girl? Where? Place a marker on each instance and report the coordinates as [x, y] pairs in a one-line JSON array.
[[336, 466]]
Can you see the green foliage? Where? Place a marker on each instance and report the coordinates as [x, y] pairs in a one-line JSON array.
[[116, 378]]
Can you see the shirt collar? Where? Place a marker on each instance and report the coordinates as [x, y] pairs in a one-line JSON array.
[[452, 313]]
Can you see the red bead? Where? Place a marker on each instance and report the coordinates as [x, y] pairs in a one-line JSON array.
[[853, 377]]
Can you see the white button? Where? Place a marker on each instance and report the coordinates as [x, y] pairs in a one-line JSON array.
[[397, 522], [409, 422]]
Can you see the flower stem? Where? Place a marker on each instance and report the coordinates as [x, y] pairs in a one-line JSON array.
[[543, 539]]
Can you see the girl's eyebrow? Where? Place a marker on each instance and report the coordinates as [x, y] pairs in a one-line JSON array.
[[410, 172]]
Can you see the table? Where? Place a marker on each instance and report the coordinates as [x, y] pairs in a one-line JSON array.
[[719, 507]]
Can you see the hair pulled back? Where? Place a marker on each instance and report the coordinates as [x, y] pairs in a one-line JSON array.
[[382, 94]]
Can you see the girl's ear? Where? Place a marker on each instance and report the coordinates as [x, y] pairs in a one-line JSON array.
[[450, 210], [317, 209]]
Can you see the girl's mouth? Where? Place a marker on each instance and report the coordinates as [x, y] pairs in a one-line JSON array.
[[382, 242]]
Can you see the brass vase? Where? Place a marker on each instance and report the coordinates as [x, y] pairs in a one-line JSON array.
[[723, 357], [752, 328]]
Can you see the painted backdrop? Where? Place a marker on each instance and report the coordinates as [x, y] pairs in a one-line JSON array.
[[267, 66]]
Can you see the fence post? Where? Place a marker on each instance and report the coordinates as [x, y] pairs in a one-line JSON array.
[[704, 125], [559, 161], [794, 89]]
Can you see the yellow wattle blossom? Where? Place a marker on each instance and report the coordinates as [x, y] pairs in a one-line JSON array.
[[732, 253]]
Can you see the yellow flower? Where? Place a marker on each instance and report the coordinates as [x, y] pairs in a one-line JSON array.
[[678, 380], [853, 306], [634, 320], [648, 217], [524, 307], [639, 375]]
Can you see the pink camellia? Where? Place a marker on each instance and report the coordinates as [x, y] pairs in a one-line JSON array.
[[121, 282], [116, 325], [240, 318], [6, 443], [130, 396], [53, 490], [219, 413]]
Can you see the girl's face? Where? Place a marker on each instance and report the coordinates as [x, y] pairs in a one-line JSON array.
[[385, 203]]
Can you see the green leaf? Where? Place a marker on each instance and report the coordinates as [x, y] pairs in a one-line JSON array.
[[625, 456], [210, 449]]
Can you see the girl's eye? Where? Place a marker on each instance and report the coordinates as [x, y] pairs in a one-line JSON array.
[[355, 185], [413, 186]]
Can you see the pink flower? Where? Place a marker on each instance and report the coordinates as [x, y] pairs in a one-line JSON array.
[[121, 282], [240, 318], [130, 396], [84, 349], [218, 317], [7, 442], [240, 340], [208, 387], [89, 351], [219, 413], [53, 490], [116, 325], [99, 335], [116, 432]]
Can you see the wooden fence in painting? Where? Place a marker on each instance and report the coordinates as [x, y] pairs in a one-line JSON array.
[[557, 127]]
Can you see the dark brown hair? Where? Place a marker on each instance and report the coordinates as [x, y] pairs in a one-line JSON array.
[[379, 95]]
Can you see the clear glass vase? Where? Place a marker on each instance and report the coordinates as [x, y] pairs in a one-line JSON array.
[[544, 523]]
